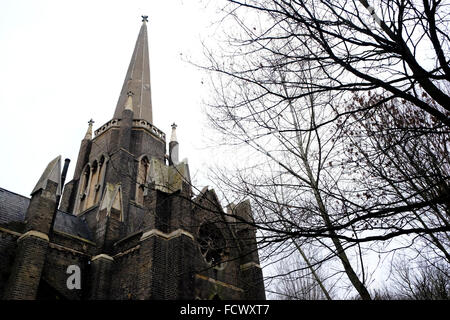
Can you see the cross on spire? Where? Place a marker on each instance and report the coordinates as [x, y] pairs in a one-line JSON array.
[[144, 18], [173, 138], [89, 130]]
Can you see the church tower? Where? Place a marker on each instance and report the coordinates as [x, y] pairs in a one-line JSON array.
[[129, 219]]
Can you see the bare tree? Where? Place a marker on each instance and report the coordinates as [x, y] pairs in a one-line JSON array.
[[282, 85], [290, 188], [422, 281], [300, 281], [396, 46], [401, 157]]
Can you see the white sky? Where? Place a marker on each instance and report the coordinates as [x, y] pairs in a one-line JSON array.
[[64, 62]]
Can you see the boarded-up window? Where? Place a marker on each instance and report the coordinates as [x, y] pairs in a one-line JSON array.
[[212, 245], [142, 179], [92, 184], [100, 178]]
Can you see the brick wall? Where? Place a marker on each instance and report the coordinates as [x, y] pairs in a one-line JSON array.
[[55, 271], [8, 246], [26, 271]]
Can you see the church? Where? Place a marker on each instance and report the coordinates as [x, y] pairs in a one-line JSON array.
[[128, 225]]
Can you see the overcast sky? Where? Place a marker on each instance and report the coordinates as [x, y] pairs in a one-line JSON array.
[[64, 62]]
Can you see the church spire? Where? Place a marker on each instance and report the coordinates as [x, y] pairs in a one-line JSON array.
[[137, 80]]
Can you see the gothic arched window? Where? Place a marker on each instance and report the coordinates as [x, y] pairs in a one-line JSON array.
[[100, 178], [92, 184], [212, 245], [142, 179], [84, 188]]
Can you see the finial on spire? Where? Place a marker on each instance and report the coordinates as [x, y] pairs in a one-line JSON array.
[[174, 133], [173, 146], [89, 130], [144, 18]]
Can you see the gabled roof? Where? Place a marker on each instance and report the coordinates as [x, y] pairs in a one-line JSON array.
[[13, 208]]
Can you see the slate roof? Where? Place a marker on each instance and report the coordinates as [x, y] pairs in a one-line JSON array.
[[13, 208], [68, 223], [137, 80]]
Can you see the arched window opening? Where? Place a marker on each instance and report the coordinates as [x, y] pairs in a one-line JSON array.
[[116, 211], [142, 179], [212, 245], [84, 183], [100, 178], [92, 184]]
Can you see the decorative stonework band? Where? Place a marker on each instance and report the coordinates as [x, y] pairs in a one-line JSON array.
[[62, 248], [102, 256], [167, 236], [120, 254], [74, 237], [137, 123], [17, 234], [248, 265], [217, 282], [34, 233]]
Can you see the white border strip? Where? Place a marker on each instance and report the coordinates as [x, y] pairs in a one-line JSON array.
[[167, 236]]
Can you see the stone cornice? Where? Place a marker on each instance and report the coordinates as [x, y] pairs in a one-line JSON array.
[[74, 237], [217, 282], [34, 233], [17, 234], [103, 257], [62, 248], [137, 124], [249, 265], [131, 250]]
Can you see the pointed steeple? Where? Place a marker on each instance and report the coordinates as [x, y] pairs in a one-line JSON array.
[[51, 173], [137, 80]]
